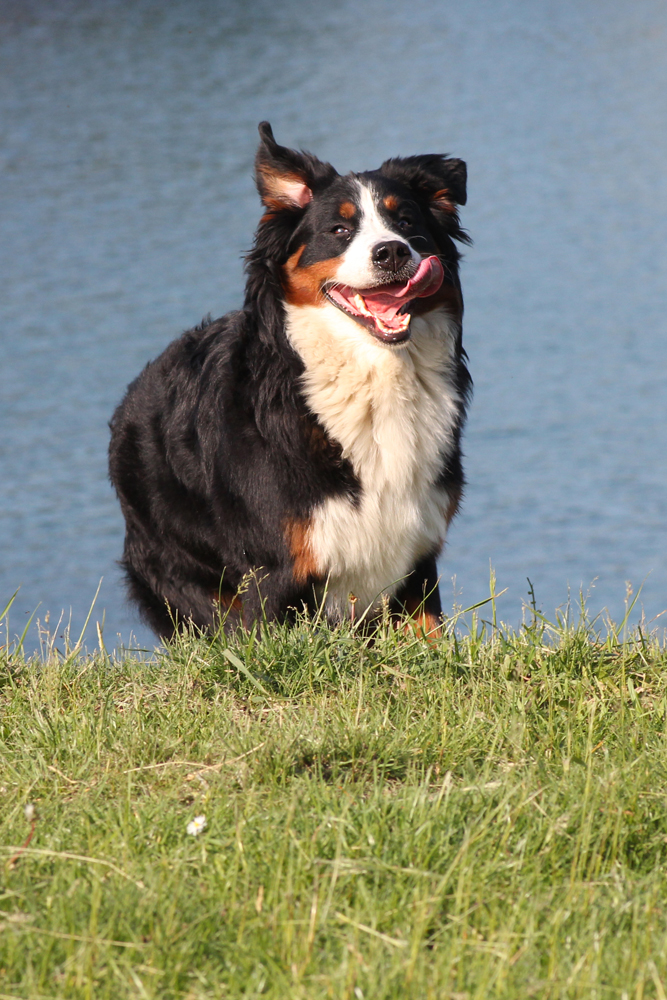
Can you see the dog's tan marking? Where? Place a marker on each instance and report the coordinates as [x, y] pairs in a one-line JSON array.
[[442, 199], [282, 190], [303, 285], [227, 600], [390, 202], [347, 210], [428, 626], [297, 533]]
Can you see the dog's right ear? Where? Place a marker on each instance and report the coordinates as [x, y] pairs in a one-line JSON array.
[[441, 179], [286, 178]]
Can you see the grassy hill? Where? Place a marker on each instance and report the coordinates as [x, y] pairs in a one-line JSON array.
[[482, 816]]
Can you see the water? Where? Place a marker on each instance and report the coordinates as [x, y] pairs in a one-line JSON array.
[[128, 133]]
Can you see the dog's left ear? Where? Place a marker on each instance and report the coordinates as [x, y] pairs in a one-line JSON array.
[[441, 179], [286, 178]]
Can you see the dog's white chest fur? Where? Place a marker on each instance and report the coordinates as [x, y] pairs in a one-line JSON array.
[[393, 412]]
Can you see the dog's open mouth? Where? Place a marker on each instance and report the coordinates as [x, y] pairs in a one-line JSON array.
[[384, 310]]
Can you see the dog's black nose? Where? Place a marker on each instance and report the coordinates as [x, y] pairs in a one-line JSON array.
[[391, 255]]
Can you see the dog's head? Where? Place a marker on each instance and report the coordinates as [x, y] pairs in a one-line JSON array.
[[377, 246]]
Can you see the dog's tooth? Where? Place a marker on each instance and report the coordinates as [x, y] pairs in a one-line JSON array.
[[404, 324], [360, 303]]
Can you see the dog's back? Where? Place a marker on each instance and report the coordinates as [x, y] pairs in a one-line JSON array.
[[306, 450]]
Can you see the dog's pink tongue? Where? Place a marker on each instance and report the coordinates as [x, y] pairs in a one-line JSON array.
[[426, 281], [386, 301]]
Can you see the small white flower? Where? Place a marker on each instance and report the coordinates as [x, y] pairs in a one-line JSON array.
[[196, 826], [30, 812]]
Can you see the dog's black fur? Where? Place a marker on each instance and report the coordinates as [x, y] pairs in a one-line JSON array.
[[216, 455]]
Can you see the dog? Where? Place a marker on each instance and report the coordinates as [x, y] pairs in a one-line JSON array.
[[304, 453]]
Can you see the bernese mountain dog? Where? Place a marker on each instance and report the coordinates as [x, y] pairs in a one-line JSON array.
[[304, 452]]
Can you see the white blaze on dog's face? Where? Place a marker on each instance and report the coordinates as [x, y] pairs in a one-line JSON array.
[[357, 267]]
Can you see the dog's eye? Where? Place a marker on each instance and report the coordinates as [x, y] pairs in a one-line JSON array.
[[404, 223], [339, 230]]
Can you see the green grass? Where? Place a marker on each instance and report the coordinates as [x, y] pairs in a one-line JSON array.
[[481, 817]]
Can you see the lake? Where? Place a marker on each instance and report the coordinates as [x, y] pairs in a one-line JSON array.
[[126, 199]]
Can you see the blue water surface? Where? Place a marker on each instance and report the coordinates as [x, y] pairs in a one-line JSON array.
[[127, 137]]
